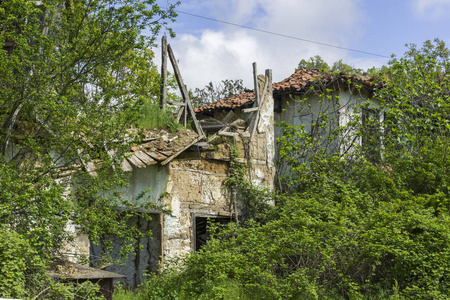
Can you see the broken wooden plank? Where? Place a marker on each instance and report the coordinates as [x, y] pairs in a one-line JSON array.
[[88, 165], [231, 116], [182, 150], [180, 113], [255, 121], [176, 103], [144, 157], [255, 81], [225, 129], [136, 161], [267, 91], [149, 140], [251, 109], [112, 155], [184, 92], [66, 173], [163, 93], [126, 167], [166, 153], [203, 144], [234, 134], [156, 155]]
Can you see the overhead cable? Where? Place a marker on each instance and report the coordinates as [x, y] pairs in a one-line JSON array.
[[282, 35]]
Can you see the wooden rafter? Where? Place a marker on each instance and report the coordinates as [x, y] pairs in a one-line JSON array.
[[184, 92]]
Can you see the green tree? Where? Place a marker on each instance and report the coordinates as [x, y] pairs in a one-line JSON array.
[[73, 77], [212, 93], [340, 66], [315, 62], [416, 99]]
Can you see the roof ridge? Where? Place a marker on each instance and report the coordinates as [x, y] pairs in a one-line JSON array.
[[299, 81]]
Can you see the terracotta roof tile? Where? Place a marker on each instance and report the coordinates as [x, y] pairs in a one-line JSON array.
[[157, 147], [298, 82], [230, 102]]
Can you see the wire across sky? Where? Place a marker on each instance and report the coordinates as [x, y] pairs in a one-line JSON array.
[[282, 35]]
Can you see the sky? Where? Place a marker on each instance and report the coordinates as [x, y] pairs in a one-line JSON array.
[[210, 51]]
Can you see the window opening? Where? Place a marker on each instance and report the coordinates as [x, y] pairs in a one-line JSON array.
[[202, 233]]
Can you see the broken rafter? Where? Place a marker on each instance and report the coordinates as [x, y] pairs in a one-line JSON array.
[[175, 103], [184, 92], [182, 150], [163, 93], [255, 81], [255, 120]]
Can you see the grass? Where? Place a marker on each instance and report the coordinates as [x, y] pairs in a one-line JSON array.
[[153, 117]]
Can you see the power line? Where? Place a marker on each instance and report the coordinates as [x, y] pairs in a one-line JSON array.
[[283, 35]]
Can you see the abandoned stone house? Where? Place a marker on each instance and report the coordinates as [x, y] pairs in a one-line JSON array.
[[186, 172]]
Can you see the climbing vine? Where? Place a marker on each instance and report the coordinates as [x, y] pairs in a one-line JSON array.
[[252, 201]]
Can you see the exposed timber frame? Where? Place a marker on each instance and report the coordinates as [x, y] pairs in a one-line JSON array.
[[186, 105]]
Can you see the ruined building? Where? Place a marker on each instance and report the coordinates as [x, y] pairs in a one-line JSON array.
[[185, 173]]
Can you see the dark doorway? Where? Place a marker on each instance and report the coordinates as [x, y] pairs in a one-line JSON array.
[[201, 229], [144, 259]]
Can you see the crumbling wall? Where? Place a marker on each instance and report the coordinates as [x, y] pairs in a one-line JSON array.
[[197, 185], [193, 186], [262, 143]]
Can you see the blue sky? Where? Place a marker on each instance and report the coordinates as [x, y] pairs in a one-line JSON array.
[[212, 51]]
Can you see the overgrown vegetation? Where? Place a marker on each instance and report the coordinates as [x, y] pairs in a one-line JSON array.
[[353, 221], [73, 77], [153, 117], [317, 62]]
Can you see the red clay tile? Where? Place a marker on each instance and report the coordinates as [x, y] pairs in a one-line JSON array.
[[298, 82]]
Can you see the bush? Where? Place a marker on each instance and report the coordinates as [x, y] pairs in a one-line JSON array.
[[361, 239], [14, 250]]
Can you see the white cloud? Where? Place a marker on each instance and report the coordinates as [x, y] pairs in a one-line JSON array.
[[229, 53], [214, 56], [432, 9]]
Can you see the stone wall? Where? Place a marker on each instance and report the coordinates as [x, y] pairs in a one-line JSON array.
[[192, 187]]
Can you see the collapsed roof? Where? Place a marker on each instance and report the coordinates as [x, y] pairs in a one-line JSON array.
[[298, 83]]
